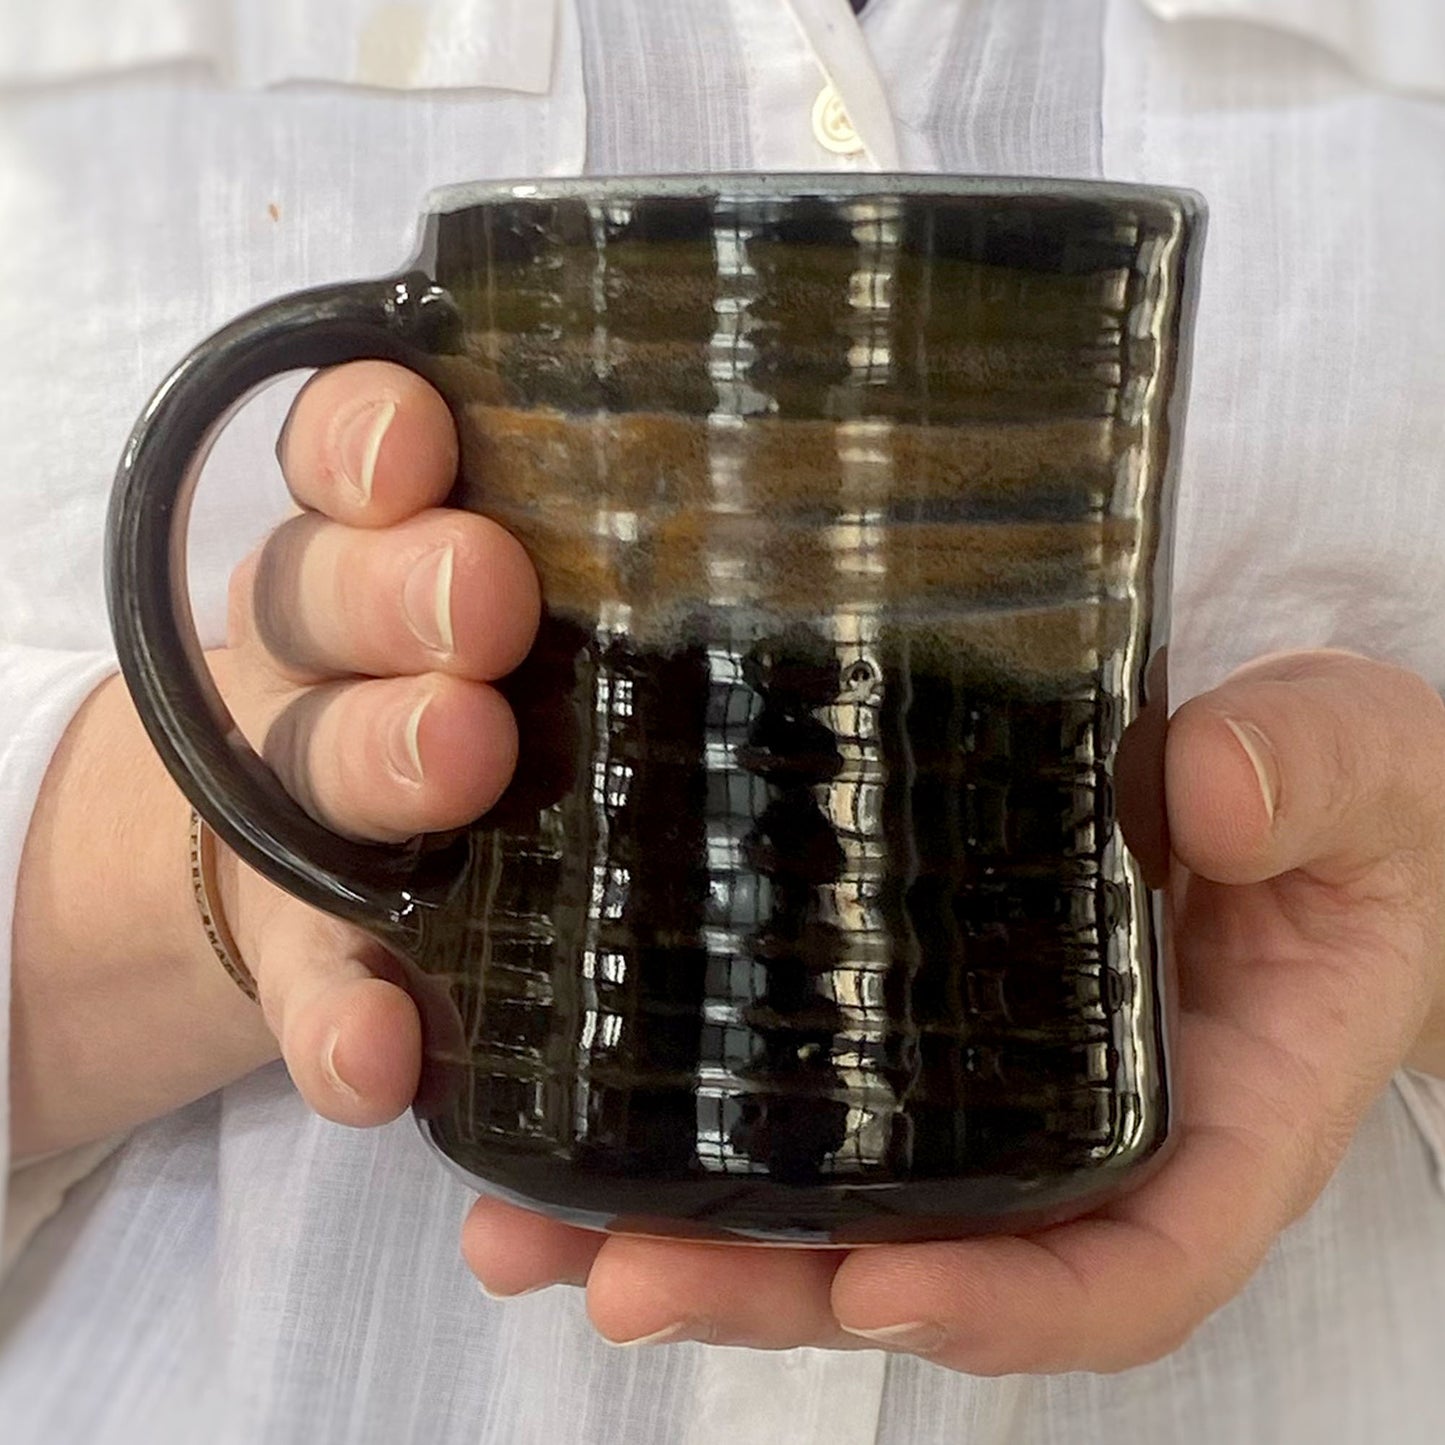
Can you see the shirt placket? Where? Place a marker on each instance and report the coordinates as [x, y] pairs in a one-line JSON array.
[[817, 102]]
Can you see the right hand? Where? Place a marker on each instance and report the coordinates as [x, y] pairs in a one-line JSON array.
[[363, 637]]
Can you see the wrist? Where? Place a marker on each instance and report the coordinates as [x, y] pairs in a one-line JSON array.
[[120, 1009]]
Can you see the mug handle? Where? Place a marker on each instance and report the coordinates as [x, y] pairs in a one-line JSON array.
[[405, 319]]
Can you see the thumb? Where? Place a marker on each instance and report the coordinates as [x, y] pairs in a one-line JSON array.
[[1322, 761], [350, 1034]]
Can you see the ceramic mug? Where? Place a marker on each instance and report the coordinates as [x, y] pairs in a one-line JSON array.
[[808, 916]]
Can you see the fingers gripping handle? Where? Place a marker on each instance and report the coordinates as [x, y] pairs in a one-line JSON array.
[[401, 319]]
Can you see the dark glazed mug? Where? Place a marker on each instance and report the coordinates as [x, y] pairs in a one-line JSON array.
[[808, 915]]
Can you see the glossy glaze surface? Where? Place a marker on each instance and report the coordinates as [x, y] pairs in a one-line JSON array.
[[808, 916]]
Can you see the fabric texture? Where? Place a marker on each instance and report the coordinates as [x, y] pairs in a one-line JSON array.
[[36, 1190], [467, 44], [242, 1271], [1399, 43]]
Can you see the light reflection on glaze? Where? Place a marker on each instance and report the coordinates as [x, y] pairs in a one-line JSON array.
[[808, 916]]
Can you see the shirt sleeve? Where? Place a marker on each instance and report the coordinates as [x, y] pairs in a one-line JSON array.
[[40, 692]]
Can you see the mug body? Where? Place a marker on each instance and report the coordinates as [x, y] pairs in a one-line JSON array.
[[808, 916]]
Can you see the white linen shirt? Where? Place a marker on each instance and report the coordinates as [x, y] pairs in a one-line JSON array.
[[243, 1272]]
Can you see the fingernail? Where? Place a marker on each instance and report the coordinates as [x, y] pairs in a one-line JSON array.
[[680, 1330], [498, 1294], [919, 1336], [426, 599], [404, 748], [1260, 752], [328, 1066], [361, 444]]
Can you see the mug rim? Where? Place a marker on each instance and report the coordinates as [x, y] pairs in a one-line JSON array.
[[807, 185]]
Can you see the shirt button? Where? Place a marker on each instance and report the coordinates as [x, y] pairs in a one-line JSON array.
[[831, 127]]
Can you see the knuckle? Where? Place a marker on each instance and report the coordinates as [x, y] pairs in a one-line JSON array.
[[280, 594], [355, 591], [290, 746], [1341, 772]]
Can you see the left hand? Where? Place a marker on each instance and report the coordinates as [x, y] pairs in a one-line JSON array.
[[1306, 807]]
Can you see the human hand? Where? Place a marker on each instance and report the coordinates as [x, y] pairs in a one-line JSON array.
[[362, 638], [1306, 808]]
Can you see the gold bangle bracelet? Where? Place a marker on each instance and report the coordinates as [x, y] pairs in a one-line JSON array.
[[213, 919]]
